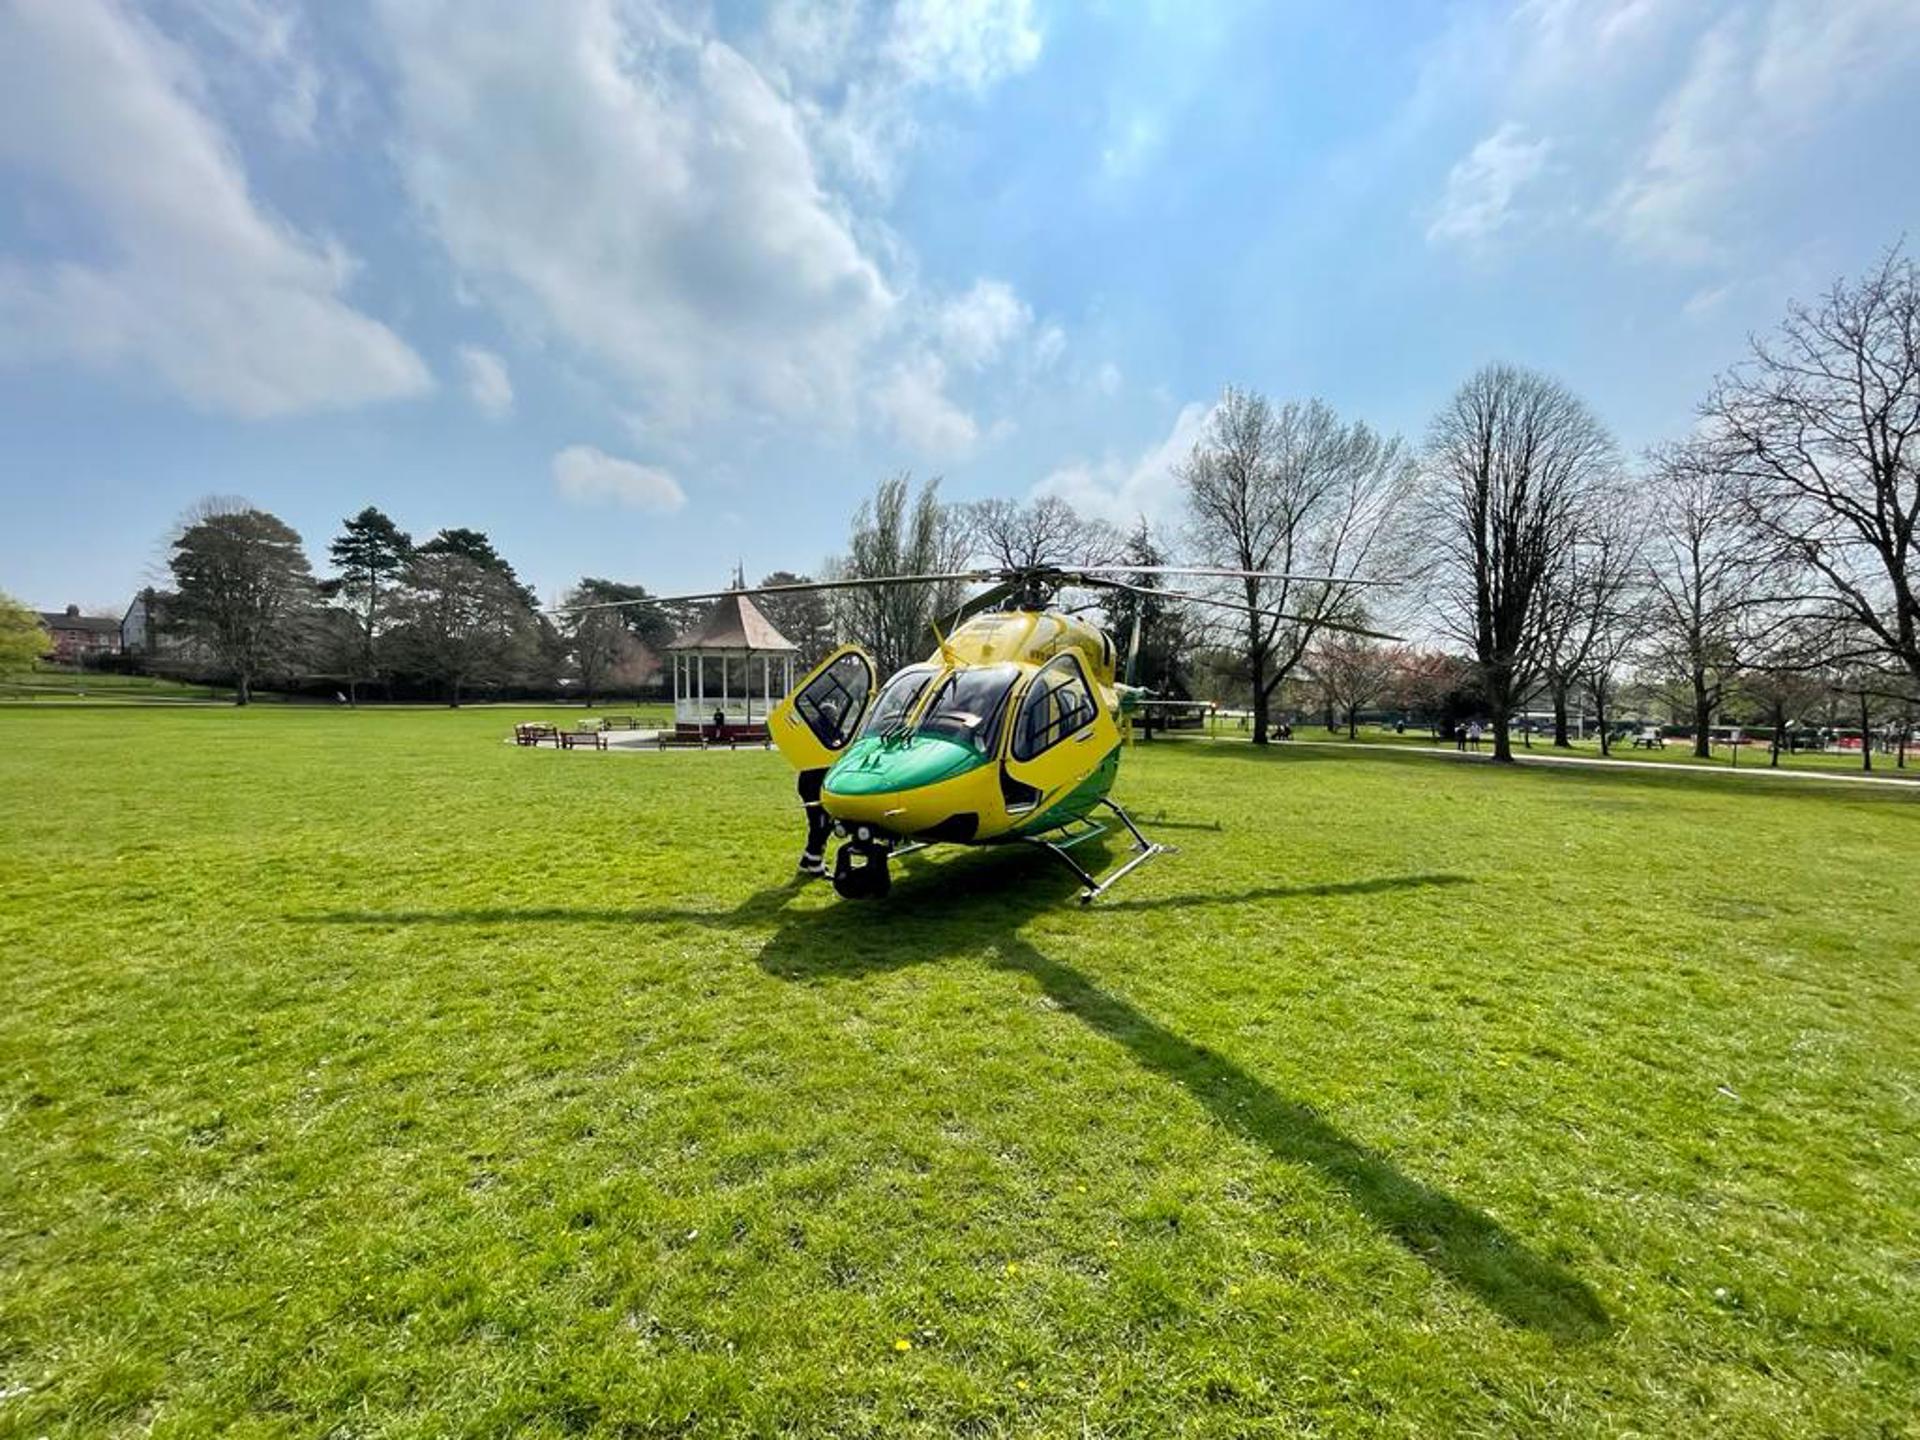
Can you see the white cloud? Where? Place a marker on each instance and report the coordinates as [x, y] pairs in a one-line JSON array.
[[227, 304], [854, 68], [642, 192], [913, 401], [971, 42], [1758, 83], [1671, 123], [1107, 379], [488, 384], [275, 69], [651, 196], [977, 326], [1482, 187], [1122, 490], [590, 476]]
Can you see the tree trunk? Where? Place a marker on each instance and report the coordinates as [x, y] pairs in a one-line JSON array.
[[243, 689], [1258, 668], [1702, 722], [453, 695], [1779, 724], [1353, 723], [1560, 739], [353, 693], [1600, 723], [1502, 736], [1866, 735]]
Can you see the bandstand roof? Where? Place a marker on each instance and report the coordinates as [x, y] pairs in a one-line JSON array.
[[734, 624]]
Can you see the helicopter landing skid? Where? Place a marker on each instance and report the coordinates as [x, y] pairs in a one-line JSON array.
[[1083, 830]]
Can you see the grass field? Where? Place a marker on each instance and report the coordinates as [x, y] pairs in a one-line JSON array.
[[362, 1075], [1677, 752]]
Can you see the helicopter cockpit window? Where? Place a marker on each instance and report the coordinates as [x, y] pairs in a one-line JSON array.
[[896, 699], [832, 701], [968, 705], [1056, 705]]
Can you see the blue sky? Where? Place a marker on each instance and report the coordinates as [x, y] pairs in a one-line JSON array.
[[643, 289]]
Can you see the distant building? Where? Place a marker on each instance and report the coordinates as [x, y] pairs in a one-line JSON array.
[[146, 630], [75, 638]]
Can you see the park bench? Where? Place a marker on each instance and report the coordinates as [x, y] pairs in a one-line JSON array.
[[620, 722], [594, 739], [534, 734]]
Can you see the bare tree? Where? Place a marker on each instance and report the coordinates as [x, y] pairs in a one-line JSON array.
[[1788, 672], [1043, 531], [1589, 598], [1822, 429], [1291, 489], [245, 589], [1353, 672], [898, 532], [1619, 635], [1703, 578], [1513, 459]]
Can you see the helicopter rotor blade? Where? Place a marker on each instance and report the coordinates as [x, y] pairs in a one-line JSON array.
[[1239, 609], [986, 599], [1222, 572], [801, 588]]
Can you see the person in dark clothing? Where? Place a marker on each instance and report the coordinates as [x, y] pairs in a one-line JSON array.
[[813, 860]]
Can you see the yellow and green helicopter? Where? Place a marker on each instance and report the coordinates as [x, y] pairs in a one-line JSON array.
[[1010, 731]]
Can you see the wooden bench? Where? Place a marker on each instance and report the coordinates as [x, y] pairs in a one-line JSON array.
[[620, 722], [534, 734], [706, 737], [583, 739]]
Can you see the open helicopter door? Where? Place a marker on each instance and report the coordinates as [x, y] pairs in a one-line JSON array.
[[816, 723]]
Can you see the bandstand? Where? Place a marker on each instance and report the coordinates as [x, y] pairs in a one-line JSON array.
[[735, 663]]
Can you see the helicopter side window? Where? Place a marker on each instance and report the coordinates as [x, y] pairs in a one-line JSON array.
[[969, 703], [831, 703], [896, 699], [1057, 705]]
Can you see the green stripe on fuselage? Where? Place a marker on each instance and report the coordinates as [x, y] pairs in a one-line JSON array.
[[876, 766], [1078, 801]]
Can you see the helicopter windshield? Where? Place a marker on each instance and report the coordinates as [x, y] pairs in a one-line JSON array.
[[897, 698], [968, 705]]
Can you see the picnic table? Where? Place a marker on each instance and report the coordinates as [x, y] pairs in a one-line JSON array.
[[533, 734], [1650, 739]]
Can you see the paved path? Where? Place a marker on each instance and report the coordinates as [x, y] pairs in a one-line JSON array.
[[1524, 757]]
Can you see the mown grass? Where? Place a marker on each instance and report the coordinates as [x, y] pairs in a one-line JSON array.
[[362, 1075], [1752, 756]]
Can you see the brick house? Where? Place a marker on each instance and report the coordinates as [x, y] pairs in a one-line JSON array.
[[75, 638]]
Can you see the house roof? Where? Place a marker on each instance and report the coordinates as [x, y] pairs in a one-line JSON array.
[[734, 623], [94, 624]]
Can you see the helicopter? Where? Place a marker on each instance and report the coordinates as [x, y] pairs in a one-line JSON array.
[[1009, 732]]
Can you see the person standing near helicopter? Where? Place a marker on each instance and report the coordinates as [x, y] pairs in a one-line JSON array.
[[813, 859]]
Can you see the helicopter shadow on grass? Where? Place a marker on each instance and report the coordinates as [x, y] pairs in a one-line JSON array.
[[986, 900]]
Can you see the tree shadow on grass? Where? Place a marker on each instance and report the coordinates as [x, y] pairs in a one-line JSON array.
[[929, 917]]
